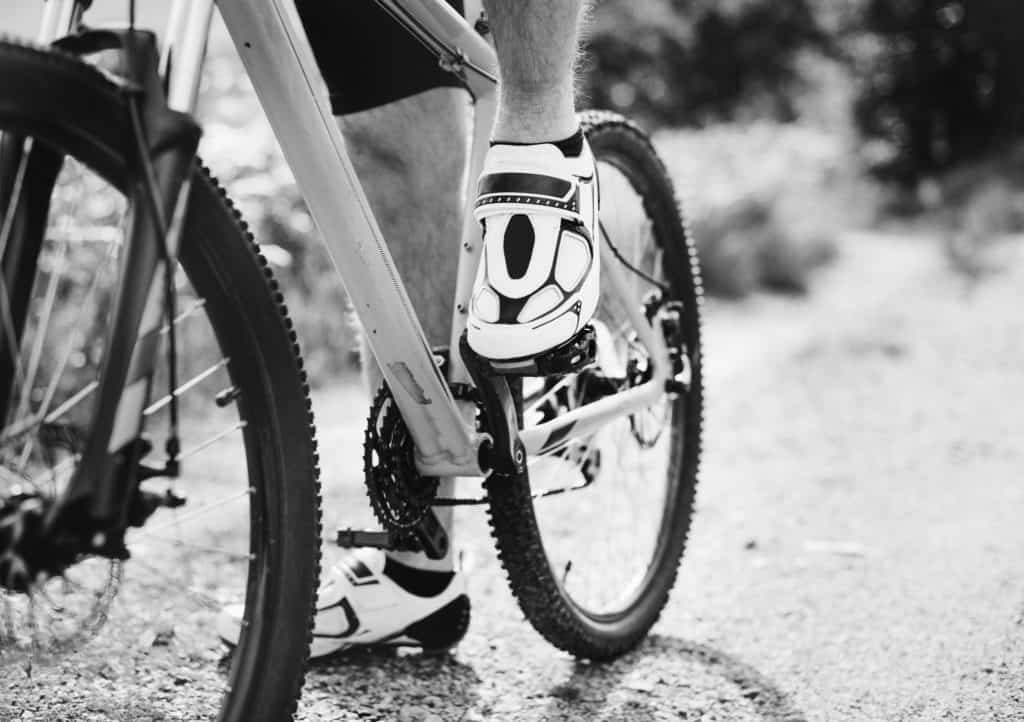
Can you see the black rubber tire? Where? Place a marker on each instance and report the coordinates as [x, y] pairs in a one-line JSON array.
[[75, 110], [514, 526]]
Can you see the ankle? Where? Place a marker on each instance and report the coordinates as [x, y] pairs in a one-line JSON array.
[[537, 119]]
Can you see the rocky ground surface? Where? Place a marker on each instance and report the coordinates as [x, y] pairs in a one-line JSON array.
[[856, 551]]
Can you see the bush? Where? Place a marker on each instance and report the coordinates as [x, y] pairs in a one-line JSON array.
[[941, 81], [239, 147], [766, 201], [673, 62]]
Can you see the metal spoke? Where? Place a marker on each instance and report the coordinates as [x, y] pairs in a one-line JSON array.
[[195, 380], [234, 556], [203, 598], [11, 338], [83, 393], [33, 422], [199, 511], [211, 441], [20, 377], [71, 402], [45, 314], [196, 306], [54, 382], [5, 236], [19, 182]]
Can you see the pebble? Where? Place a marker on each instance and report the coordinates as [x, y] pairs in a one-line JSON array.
[[411, 713]]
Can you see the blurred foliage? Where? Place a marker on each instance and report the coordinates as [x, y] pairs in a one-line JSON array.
[[942, 82], [766, 201], [934, 83], [239, 147], [673, 62]]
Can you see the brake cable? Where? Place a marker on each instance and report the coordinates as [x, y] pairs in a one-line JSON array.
[[172, 446]]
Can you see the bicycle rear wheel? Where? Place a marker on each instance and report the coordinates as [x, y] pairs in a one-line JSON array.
[[592, 535], [139, 635]]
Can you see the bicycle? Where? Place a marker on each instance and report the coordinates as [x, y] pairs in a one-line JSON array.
[[98, 124]]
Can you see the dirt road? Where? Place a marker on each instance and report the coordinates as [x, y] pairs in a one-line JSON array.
[[857, 551]]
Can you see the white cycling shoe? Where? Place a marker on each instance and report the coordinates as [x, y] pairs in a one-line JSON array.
[[538, 280], [359, 603]]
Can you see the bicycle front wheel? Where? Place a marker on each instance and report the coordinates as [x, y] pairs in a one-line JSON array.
[[139, 637], [592, 535]]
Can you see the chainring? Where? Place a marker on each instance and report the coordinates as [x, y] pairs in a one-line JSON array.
[[399, 495]]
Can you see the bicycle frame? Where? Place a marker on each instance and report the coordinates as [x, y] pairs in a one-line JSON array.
[[269, 38]]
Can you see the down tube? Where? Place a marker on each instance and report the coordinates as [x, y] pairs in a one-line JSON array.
[[279, 60]]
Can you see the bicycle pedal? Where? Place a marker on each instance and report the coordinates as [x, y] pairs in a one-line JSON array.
[[428, 537], [352, 538], [571, 357]]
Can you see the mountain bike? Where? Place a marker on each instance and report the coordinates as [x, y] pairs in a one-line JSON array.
[[157, 455]]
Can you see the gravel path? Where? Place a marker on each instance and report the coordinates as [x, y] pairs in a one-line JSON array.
[[856, 552], [855, 555]]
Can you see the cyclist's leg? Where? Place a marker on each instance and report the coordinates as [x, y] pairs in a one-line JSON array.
[[537, 195], [410, 158], [537, 45]]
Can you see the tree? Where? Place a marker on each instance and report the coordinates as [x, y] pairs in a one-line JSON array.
[[689, 61], [943, 82]]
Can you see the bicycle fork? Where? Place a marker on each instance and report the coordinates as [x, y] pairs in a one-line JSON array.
[[102, 497]]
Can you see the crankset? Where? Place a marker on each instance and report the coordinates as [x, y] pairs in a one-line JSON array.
[[400, 497]]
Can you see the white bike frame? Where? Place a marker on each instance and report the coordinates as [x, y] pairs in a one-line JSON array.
[[269, 37]]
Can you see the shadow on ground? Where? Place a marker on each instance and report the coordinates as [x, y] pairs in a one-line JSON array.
[[383, 685], [671, 676], [664, 678]]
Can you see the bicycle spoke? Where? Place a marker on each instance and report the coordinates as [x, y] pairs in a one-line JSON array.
[[42, 416], [194, 381], [71, 402], [82, 394], [199, 511], [211, 441], [19, 182], [233, 556], [79, 318], [198, 305], [37, 347], [205, 600], [11, 338]]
